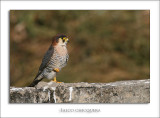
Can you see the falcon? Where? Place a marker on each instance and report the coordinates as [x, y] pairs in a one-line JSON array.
[[54, 60]]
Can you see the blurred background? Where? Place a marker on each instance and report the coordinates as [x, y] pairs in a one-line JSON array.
[[105, 45]]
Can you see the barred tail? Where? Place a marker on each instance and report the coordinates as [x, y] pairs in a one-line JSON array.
[[36, 81]]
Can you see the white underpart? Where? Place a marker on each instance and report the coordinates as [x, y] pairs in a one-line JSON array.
[[70, 93], [54, 95]]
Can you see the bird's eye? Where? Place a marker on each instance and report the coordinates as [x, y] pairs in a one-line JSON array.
[[64, 38]]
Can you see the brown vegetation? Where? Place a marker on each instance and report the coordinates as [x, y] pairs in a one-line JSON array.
[[104, 46]]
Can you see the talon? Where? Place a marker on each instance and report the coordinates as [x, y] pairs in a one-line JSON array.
[[54, 80], [58, 82], [56, 69]]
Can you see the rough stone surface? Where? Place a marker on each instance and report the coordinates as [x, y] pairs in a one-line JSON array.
[[135, 91]]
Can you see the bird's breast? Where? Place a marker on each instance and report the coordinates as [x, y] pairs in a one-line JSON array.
[[58, 59], [61, 50]]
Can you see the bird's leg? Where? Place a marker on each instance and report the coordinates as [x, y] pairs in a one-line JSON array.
[[54, 80], [56, 69]]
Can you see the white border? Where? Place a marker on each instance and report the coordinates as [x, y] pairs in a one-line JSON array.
[[107, 110]]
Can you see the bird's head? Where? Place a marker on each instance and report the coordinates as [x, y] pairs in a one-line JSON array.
[[60, 39]]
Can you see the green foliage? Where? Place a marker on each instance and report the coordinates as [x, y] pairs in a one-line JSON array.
[[105, 45]]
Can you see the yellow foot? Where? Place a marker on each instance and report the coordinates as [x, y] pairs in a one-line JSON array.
[[56, 80], [56, 69]]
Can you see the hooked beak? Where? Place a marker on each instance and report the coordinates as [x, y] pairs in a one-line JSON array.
[[67, 40]]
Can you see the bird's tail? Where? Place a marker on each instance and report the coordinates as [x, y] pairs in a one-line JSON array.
[[36, 81]]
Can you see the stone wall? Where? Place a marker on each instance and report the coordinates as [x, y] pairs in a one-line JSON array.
[[135, 91]]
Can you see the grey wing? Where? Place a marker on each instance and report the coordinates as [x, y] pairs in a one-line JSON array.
[[45, 61], [46, 58]]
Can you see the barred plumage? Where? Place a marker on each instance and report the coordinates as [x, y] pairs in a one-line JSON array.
[[55, 58], [57, 61]]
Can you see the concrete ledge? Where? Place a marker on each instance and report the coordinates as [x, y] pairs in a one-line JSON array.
[[135, 91]]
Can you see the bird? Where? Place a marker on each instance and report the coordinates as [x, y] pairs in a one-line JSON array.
[[54, 60]]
